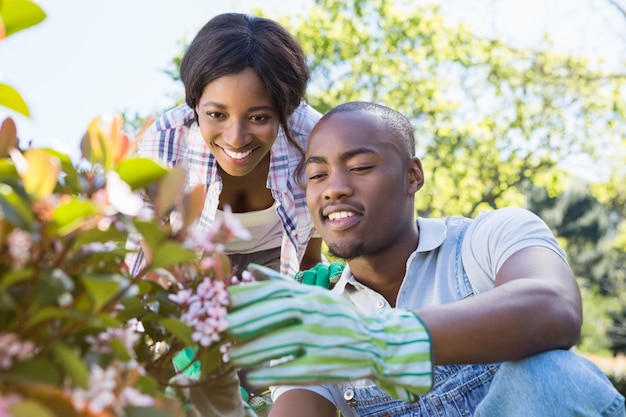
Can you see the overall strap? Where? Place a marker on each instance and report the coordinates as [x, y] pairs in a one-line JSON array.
[[463, 286]]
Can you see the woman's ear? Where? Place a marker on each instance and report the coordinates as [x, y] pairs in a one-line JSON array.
[[416, 175]]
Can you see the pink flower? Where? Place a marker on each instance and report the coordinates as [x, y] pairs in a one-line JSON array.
[[131, 397], [13, 349], [224, 230], [19, 243], [204, 311], [102, 342], [121, 197], [6, 402]]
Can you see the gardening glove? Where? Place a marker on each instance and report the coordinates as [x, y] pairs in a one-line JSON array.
[[321, 275], [320, 337]]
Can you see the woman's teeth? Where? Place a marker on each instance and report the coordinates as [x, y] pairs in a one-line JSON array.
[[237, 155]]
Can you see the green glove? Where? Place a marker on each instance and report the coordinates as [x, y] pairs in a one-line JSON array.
[[321, 275], [322, 338]]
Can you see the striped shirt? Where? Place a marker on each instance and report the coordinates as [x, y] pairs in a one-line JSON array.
[[175, 139]]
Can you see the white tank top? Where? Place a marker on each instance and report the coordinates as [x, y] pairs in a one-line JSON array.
[[265, 229]]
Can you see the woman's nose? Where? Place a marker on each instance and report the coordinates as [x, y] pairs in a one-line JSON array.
[[235, 134]]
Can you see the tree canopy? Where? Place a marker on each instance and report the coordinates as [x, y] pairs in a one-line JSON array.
[[487, 116]]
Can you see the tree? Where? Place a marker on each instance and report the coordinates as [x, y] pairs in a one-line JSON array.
[[487, 116], [586, 228]]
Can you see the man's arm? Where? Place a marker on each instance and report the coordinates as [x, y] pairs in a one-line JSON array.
[[535, 306], [302, 403]]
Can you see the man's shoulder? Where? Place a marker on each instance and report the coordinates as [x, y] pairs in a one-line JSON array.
[[505, 215]]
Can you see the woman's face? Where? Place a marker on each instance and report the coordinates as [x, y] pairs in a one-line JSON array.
[[238, 122]]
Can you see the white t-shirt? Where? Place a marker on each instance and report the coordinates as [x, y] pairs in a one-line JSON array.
[[489, 241]]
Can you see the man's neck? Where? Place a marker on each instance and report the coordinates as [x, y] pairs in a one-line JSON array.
[[384, 272]]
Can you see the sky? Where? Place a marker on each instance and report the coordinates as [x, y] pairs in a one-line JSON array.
[[92, 57]]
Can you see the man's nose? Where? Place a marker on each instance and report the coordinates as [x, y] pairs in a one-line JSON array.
[[337, 185]]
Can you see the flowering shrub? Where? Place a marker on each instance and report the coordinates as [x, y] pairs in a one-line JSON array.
[[79, 334]]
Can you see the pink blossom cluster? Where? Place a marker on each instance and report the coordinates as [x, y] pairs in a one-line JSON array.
[[8, 401], [13, 349], [19, 243], [105, 392], [204, 310], [102, 342], [224, 230]]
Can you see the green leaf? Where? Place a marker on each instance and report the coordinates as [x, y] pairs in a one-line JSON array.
[[15, 209], [140, 172], [151, 232], [119, 350], [171, 253], [8, 171], [10, 98], [34, 370], [72, 364], [20, 14], [211, 359], [179, 329], [69, 173], [13, 277], [101, 289], [30, 408], [43, 314], [68, 216], [96, 235]]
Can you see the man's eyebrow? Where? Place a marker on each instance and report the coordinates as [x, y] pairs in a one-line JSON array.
[[315, 160], [344, 156], [358, 151]]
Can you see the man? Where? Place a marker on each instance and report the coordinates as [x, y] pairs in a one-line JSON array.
[[491, 302]]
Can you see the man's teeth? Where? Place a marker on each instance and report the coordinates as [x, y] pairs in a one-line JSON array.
[[340, 215], [237, 155]]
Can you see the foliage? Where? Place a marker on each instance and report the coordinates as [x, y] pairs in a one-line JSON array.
[[586, 228], [16, 15], [79, 334], [487, 116]]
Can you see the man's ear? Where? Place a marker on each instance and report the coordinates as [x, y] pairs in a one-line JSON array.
[[416, 175]]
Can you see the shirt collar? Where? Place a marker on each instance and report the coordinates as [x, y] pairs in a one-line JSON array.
[[432, 234]]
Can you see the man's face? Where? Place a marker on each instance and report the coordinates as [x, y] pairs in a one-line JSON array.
[[357, 184]]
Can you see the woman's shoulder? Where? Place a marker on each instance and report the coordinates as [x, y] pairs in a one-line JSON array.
[[176, 118], [303, 119]]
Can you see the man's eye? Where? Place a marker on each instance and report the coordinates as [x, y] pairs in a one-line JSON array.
[[361, 168], [315, 176]]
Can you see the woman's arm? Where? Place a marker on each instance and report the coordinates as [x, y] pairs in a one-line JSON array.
[[312, 255]]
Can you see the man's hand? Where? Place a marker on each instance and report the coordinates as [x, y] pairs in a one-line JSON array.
[[320, 337]]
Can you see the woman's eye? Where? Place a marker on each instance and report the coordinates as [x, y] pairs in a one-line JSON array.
[[215, 115], [259, 118]]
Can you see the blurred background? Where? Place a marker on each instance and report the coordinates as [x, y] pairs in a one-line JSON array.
[[513, 103]]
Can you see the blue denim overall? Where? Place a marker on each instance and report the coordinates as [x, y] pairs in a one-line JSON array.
[[551, 384]]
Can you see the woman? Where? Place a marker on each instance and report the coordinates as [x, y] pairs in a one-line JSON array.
[[242, 134]]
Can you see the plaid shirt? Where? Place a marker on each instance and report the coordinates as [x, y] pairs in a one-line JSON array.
[[175, 139]]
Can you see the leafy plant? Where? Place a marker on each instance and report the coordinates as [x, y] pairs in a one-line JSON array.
[[16, 15], [79, 334]]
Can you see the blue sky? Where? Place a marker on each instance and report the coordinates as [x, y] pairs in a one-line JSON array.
[[99, 56]]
